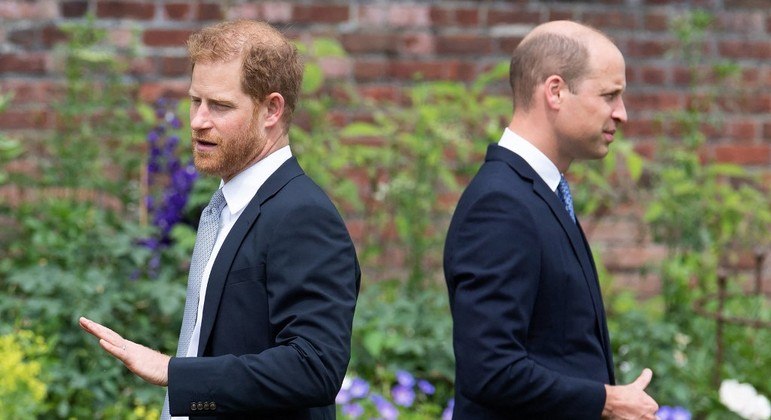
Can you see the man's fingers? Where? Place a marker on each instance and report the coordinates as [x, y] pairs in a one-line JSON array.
[[103, 334], [644, 379]]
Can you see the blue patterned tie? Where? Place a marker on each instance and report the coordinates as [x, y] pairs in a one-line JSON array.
[[208, 228], [563, 191]]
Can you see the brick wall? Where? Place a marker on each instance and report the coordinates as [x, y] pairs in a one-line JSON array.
[[389, 41]]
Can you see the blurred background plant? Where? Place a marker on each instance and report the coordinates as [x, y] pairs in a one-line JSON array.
[[22, 374], [108, 225]]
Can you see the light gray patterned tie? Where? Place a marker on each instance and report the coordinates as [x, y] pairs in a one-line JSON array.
[[563, 191], [208, 228]]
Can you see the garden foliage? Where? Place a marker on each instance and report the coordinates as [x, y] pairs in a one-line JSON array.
[[114, 241]]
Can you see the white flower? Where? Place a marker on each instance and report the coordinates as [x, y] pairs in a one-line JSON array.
[[743, 400]]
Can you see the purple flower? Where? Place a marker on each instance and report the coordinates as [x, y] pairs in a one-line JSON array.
[[343, 397], [403, 396], [353, 410], [426, 387], [359, 388], [169, 181], [673, 413], [447, 413], [405, 378], [385, 408]]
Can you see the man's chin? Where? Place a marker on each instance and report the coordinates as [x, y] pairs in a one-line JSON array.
[[205, 165]]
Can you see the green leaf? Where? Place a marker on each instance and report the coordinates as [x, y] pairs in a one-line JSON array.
[[328, 47], [313, 78], [360, 129]]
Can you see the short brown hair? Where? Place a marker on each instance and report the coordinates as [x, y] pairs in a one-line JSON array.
[[271, 62], [543, 55]]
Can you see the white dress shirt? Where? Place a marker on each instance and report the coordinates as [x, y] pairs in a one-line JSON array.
[[540, 163]]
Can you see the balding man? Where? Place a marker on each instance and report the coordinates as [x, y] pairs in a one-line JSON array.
[[530, 335], [273, 282]]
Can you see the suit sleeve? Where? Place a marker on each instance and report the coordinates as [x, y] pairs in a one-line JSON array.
[[312, 282], [493, 265]]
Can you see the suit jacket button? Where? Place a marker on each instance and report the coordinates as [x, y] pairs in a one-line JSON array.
[[206, 405], [200, 405], [213, 406], [192, 406]]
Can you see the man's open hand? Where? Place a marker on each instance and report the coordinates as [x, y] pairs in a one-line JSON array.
[[145, 362]]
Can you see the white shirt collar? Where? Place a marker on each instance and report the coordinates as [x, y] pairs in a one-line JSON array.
[[540, 163], [240, 190]]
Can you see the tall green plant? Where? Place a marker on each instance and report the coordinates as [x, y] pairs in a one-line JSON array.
[[9, 148], [96, 128], [707, 214], [71, 254]]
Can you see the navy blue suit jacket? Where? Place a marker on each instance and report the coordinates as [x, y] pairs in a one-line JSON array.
[[529, 328], [276, 325]]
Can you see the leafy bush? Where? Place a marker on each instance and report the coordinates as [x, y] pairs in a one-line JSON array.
[[78, 248], [22, 378]]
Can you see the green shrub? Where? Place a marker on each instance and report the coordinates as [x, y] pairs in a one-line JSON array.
[[22, 376]]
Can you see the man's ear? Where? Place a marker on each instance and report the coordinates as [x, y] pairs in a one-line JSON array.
[[553, 91], [274, 109]]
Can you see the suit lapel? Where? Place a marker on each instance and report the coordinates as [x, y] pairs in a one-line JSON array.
[[572, 230], [224, 260]]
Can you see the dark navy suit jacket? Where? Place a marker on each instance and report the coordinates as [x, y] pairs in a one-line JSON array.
[[529, 332], [276, 324]]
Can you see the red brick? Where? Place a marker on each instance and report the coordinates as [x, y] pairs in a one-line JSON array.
[[742, 130], [53, 35], [417, 43], [506, 45], [14, 118], [611, 19], [73, 9], [25, 38], [367, 70], [165, 37], [409, 70], [313, 13], [744, 154], [30, 92], [125, 9], [653, 75], [656, 21], [745, 49], [150, 92], [28, 10], [750, 4], [463, 44], [767, 132], [641, 128], [756, 104], [178, 11], [431, 70], [682, 76], [743, 22], [561, 14], [441, 16], [403, 15], [370, 42], [646, 48], [512, 15], [175, 66], [209, 11], [467, 17], [658, 101], [380, 93], [633, 257], [22, 63], [645, 148], [336, 67]]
